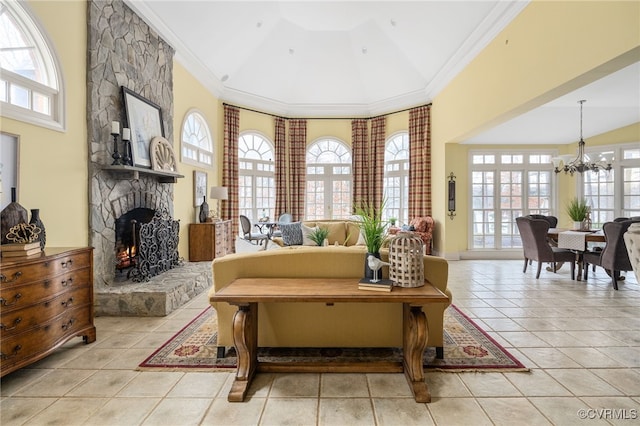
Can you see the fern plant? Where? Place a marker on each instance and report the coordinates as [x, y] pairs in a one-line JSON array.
[[372, 226], [318, 235], [577, 209]]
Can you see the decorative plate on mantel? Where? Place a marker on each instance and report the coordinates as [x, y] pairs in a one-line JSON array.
[[162, 156]]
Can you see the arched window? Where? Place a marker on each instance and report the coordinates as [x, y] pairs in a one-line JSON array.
[[396, 177], [328, 180], [30, 82], [257, 189], [197, 146]]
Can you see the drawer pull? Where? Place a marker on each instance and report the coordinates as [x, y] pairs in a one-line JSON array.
[[15, 325], [5, 302], [67, 303], [3, 277], [67, 282], [67, 263], [5, 357], [69, 324]]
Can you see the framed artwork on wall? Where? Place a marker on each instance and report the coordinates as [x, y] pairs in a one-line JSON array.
[[199, 187], [144, 119]]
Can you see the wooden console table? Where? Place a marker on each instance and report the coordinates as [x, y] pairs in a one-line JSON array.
[[246, 293]]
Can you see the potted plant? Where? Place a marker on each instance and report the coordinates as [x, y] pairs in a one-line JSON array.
[[373, 230], [318, 235], [578, 210], [392, 221]]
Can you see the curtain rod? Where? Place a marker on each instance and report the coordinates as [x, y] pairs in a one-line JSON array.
[[323, 118]]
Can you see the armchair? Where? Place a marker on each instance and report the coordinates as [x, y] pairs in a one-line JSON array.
[[423, 227], [614, 257]]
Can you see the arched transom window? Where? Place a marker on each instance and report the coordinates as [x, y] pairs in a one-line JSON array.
[[30, 82], [257, 192], [396, 178], [328, 180], [197, 146]]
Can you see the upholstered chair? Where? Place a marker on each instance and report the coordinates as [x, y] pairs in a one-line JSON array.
[[614, 258], [632, 241], [533, 233], [252, 237], [423, 226]]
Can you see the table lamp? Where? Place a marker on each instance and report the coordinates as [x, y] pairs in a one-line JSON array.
[[218, 193]]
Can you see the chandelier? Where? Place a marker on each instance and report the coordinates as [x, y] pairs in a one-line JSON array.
[[581, 163]]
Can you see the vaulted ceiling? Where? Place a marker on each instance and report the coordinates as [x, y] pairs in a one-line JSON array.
[[359, 58]]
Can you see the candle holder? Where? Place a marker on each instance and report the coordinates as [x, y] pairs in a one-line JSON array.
[[117, 158], [126, 159]]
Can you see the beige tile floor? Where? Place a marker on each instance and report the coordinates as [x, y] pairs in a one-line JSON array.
[[580, 340]]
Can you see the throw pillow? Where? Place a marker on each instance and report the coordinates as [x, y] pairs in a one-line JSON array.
[[306, 232], [337, 231], [291, 233]]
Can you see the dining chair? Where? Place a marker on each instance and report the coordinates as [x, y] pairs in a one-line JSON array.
[[252, 237], [283, 218], [613, 258], [533, 233]]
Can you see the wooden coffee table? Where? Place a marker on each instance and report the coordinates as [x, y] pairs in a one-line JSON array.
[[246, 293]]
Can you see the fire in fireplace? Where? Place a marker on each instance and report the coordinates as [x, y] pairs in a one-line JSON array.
[[128, 236]]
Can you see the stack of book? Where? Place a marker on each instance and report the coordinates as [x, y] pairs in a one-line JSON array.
[[14, 250], [381, 285]]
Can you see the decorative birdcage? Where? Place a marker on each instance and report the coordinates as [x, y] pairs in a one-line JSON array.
[[406, 268]]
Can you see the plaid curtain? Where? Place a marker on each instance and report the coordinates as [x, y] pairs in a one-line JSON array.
[[297, 166], [281, 181], [360, 162], [378, 130], [420, 162], [230, 208]]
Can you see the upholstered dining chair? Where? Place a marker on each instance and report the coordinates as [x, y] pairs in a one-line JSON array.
[[252, 237], [614, 258], [283, 218], [533, 233]]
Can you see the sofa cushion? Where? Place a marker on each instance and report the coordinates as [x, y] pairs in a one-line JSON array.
[[337, 231], [306, 233], [291, 233]]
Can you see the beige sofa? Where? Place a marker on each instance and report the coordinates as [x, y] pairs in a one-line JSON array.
[[316, 324], [341, 232]]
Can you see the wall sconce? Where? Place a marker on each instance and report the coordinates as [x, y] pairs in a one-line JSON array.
[[452, 195]]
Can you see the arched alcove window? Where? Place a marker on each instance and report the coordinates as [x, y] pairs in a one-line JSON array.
[[396, 177], [197, 145], [31, 87], [328, 180], [257, 188]]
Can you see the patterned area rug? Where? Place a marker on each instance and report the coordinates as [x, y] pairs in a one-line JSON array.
[[466, 348]]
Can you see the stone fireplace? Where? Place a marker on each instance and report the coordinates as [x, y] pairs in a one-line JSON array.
[[124, 51]]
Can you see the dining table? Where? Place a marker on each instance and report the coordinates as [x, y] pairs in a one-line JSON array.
[[576, 241]]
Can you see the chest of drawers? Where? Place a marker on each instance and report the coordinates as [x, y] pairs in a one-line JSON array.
[[44, 301]]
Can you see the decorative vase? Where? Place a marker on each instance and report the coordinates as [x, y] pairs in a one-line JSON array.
[[368, 272], [204, 210], [35, 220], [12, 215], [577, 225], [406, 265]]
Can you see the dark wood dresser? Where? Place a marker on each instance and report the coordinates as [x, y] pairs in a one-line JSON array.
[[210, 240], [45, 300]]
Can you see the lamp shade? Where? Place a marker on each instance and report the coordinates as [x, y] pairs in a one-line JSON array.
[[219, 193]]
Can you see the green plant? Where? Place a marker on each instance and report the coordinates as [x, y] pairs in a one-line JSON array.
[[577, 209], [392, 221], [372, 226], [318, 235]]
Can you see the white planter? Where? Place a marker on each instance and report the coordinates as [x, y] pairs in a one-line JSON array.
[[577, 226]]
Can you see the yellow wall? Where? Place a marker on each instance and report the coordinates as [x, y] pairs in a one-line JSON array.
[[53, 172], [189, 94], [548, 50]]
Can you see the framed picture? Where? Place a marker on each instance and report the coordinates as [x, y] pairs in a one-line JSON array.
[[144, 119], [199, 187]]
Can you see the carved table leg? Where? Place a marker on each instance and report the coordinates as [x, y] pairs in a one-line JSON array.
[[414, 343], [245, 340]]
